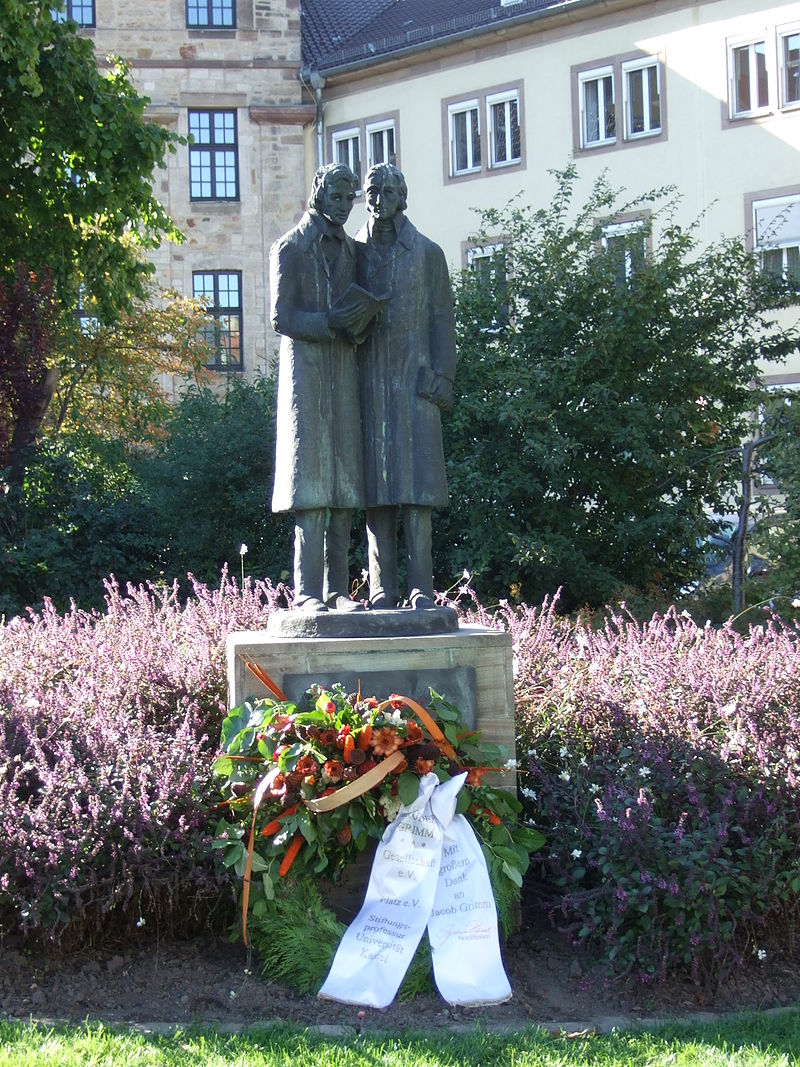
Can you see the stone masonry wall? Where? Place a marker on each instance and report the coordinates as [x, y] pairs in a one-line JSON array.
[[252, 70]]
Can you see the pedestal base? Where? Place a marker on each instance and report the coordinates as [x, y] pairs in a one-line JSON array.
[[470, 667]]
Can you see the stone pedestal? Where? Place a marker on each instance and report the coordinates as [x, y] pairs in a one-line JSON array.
[[470, 666]]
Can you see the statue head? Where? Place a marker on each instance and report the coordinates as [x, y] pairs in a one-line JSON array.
[[386, 191], [333, 192]]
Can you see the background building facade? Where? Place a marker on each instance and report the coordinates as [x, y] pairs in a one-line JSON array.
[[477, 101]]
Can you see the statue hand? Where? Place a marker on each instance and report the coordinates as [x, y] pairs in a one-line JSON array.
[[440, 392]]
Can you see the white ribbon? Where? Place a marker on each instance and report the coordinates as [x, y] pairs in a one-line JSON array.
[[429, 870]]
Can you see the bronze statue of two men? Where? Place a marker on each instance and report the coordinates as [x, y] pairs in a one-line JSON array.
[[367, 360]]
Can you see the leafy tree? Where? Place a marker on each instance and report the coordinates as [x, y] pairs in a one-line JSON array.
[[209, 484], [602, 399], [779, 536], [76, 162]]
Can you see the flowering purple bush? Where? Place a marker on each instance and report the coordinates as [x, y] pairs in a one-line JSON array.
[[664, 769], [107, 724]]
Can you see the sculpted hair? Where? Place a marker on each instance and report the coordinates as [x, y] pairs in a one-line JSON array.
[[382, 172], [327, 176]]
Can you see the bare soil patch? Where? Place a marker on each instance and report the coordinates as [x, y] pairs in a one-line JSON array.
[[211, 980]]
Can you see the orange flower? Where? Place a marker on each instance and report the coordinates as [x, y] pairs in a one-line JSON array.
[[423, 766], [345, 835], [327, 737], [413, 733], [333, 770], [385, 741]]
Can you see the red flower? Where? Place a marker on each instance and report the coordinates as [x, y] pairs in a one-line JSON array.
[[345, 835], [327, 737]]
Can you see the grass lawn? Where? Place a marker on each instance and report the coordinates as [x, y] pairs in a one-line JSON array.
[[752, 1040]]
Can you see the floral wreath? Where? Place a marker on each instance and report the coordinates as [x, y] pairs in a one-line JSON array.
[[303, 791]]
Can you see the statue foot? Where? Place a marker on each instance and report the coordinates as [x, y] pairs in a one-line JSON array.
[[381, 601], [338, 602], [421, 600], [309, 604]]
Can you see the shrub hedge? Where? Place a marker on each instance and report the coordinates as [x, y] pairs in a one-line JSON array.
[[660, 759], [663, 765]]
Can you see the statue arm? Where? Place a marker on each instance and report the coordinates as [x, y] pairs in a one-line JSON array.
[[286, 266]]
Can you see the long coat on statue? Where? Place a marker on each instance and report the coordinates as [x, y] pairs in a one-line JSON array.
[[318, 441], [403, 453]]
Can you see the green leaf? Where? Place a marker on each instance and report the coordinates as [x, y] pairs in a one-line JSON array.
[[512, 873], [408, 787]]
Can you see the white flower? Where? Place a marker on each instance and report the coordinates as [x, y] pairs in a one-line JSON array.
[[796, 602], [564, 776], [243, 549], [140, 921], [644, 772], [583, 762], [232, 994], [576, 853], [31, 702], [391, 806], [529, 793], [364, 575], [761, 953], [594, 788], [465, 574], [510, 765], [563, 751]]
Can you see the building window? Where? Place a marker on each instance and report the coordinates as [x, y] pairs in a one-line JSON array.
[[489, 263], [213, 14], [380, 143], [221, 294], [213, 167], [618, 101], [641, 98], [625, 242], [503, 122], [789, 63], [483, 132], [748, 80], [598, 109], [465, 137], [347, 150], [80, 11], [776, 236]]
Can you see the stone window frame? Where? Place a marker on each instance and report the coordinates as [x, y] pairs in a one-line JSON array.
[[213, 147], [617, 66], [482, 99], [629, 222], [216, 311], [783, 196]]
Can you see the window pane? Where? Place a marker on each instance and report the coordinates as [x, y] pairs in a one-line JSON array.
[[636, 101], [513, 125], [390, 152], [200, 126], [791, 68], [793, 264], [591, 113], [610, 116], [222, 13], [772, 261], [741, 78], [655, 98], [460, 141], [200, 173], [761, 73], [499, 124], [82, 11], [193, 13], [376, 147], [224, 127]]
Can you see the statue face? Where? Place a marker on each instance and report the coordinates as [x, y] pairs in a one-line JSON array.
[[337, 201], [383, 201]]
